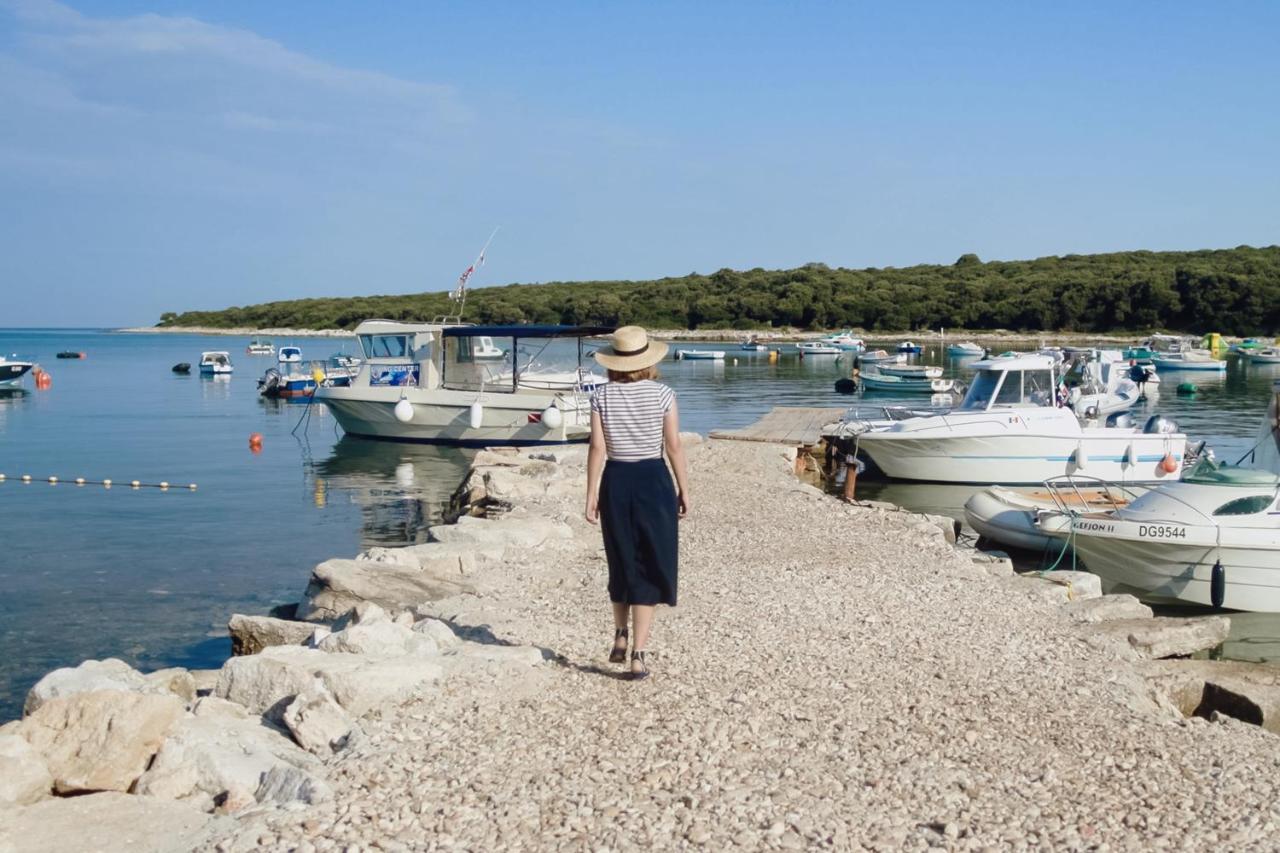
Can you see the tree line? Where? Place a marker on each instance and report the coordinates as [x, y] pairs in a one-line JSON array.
[[1232, 291]]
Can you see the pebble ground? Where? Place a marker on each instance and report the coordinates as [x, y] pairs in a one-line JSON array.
[[833, 678]]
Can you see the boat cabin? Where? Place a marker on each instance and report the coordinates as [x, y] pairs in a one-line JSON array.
[[1010, 381], [460, 358]]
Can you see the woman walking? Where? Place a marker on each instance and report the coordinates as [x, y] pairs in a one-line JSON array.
[[633, 419]]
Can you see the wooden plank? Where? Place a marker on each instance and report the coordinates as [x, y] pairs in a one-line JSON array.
[[785, 425]]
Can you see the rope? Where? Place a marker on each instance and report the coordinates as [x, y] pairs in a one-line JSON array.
[[1066, 545]]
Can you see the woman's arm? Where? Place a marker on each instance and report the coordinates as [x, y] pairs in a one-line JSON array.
[[675, 453], [595, 465]]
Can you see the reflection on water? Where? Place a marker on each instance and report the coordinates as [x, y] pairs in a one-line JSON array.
[[401, 489]]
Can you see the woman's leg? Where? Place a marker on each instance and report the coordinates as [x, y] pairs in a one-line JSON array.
[[618, 654], [642, 616]]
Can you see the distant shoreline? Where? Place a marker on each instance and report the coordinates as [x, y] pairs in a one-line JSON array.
[[714, 335]]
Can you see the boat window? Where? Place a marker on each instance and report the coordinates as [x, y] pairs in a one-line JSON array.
[[981, 391], [472, 363], [1010, 393], [1245, 506], [1038, 387], [385, 346]]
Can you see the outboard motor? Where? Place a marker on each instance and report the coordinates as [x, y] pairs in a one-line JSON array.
[[1160, 425], [1120, 420]]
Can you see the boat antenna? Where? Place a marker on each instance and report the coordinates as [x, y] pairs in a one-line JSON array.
[[459, 293]]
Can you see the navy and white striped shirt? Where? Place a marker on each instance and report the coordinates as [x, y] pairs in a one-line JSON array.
[[632, 414]]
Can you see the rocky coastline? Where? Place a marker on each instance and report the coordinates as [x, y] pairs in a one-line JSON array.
[[836, 676]]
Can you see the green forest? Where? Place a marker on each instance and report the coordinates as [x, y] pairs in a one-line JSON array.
[[1232, 291]]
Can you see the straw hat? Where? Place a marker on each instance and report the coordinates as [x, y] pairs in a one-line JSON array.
[[631, 350]]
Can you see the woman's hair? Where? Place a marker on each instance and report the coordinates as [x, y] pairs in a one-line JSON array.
[[624, 376]]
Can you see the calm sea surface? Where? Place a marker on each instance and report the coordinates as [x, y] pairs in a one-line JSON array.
[[151, 576]]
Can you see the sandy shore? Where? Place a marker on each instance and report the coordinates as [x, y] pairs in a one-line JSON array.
[[835, 676]]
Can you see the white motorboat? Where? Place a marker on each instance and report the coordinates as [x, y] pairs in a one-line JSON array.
[[1192, 359], [881, 357], [1212, 538], [1269, 355], [215, 363], [910, 371], [967, 349], [533, 377], [845, 341], [290, 355], [260, 346], [484, 350], [1105, 385], [11, 372], [910, 348], [699, 355], [1008, 429], [421, 382], [817, 348], [1008, 516], [752, 346]]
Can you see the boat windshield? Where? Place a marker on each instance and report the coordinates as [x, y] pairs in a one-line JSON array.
[[1009, 388], [385, 346]]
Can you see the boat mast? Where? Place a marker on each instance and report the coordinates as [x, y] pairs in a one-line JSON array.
[[459, 293]]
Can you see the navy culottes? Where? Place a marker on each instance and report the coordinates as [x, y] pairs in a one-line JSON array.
[[638, 518]]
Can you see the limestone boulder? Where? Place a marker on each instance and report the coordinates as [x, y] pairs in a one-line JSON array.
[[517, 656], [218, 750], [380, 638], [337, 586], [317, 722], [109, 674], [1245, 691], [437, 630], [1063, 587], [252, 634], [994, 563], [1107, 608], [438, 556], [24, 776], [529, 532], [1165, 637], [100, 740], [109, 823], [266, 683], [284, 785]]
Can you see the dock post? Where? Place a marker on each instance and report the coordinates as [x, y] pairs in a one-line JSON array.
[[850, 478]]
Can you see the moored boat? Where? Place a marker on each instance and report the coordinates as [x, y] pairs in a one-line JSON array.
[[880, 356], [1008, 516], [418, 382], [910, 348], [260, 346], [215, 363], [752, 346], [699, 355], [1267, 355], [290, 355], [905, 385], [910, 371], [12, 371], [966, 349], [1188, 360], [817, 348]]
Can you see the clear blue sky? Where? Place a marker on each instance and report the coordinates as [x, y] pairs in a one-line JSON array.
[[174, 155]]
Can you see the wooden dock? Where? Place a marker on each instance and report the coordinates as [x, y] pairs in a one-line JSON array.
[[785, 425]]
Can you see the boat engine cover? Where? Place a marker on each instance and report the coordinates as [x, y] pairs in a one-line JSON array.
[[1160, 425]]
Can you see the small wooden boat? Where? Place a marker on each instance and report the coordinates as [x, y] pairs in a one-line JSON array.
[[699, 355], [903, 385], [910, 371], [880, 356], [817, 348]]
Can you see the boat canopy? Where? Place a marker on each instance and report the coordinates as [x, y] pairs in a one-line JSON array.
[[1015, 361], [526, 330]]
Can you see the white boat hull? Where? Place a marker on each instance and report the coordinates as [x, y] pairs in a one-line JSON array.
[[1009, 524], [1173, 562], [505, 418], [1025, 459], [1179, 364]]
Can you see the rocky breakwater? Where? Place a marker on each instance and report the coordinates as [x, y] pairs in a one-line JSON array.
[[835, 676]]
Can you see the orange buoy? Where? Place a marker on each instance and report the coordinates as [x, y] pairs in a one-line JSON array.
[[1169, 464], [255, 442]]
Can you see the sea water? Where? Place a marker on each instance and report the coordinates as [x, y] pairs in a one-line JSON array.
[[151, 576]]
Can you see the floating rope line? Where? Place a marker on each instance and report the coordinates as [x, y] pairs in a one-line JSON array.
[[163, 485]]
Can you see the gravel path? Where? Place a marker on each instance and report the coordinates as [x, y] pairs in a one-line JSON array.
[[832, 678]]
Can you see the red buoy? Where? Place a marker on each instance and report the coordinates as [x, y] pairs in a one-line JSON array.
[[1169, 464]]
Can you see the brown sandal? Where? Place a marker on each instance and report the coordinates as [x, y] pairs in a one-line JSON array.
[[616, 654], [644, 673]]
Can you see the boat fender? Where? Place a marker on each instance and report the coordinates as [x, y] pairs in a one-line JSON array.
[[477, 414], [404, 411], [1082, 458], [552, 418], [318, 376], [255, 441], [1130, 456], [1218, 584], [1168, 464]]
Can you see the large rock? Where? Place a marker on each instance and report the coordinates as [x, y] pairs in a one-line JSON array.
[[1063, 587], [109, 674], [437, 630], [108, 823], [101, 740], [530, 532], [1245, 691], [24, 776], [1107, 608], [221, 748], [318, 723], [252, 634], [336, 586], [438, 557], [380, 638], [1164, 637], [266, 683], [284, 785]]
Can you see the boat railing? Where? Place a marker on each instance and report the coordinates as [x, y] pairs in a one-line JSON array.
[[1058, 486]]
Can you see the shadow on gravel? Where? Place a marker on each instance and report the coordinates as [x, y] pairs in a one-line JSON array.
[[484, 634]]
